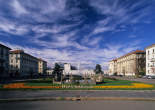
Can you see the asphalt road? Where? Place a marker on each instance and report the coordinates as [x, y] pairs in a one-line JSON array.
[[151, 81], [79, 105], [50, 93]]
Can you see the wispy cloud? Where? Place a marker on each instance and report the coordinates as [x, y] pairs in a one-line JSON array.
[[72, 30], [19, 9], [119, 13], [12, 28], [87, 58]]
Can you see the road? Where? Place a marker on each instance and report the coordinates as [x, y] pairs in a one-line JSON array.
[[79, 105], [103, 93]]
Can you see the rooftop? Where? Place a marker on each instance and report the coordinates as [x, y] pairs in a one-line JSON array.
[[133, 52], [22, 52], [114, 59], [153, 45], [16, 51], [130, 53], [1, 45], [40, 59]]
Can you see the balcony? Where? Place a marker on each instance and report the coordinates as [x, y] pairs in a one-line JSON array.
[[152, 59], [152, 65]]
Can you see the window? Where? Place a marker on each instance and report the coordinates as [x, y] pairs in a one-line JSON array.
[[2, 52], [153, 50], [148, 52]]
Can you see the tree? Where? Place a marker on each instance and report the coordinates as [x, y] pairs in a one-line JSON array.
[[57, 72], [73, 68], [98, 69], [138, 66]]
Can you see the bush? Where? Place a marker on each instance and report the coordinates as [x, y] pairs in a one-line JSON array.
[[115, 74]]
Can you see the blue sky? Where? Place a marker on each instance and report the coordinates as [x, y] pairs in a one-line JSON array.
[[77, 31]]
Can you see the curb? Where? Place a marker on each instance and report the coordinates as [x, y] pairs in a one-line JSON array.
[[76, 99]]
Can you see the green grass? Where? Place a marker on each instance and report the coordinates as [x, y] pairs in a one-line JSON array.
[[107, 82], [41, 80], [1, 85]]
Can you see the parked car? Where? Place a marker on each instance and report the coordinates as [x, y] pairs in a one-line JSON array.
[[145, 77], [120, 75], [151, 77]]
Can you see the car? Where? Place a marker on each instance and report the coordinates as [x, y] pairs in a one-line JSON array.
[[151, 77], [145, 77], [120, 75]]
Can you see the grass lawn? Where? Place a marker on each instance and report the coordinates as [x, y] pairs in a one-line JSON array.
[[107, 82], [0, 86], [110, 82], [39, 82]]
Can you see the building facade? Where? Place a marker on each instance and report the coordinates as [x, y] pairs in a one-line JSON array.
[[42, 66], [130, 64], [4, 61], [49, 71], [23, 64], [68, 71], [113, 67], [150, 60]]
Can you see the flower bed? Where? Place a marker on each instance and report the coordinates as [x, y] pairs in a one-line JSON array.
[[22, 85], [134, 85]]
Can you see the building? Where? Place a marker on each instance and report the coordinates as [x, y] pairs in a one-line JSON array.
[[130, 64], [106, 72], [4, 60], [42, 66], [49, 71], [69, 71], [150, 60], [113, 67], [23, 64]]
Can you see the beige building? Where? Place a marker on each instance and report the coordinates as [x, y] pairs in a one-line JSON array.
[[150, 60], [113, 67], [4, 61], [130, 64], [23, 64], [42, 66], [49, 71]]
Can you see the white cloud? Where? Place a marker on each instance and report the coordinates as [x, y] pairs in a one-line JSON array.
[[87, 58], [101, 29], [42, 16], [19, 9], [12, 28], [117, 14]]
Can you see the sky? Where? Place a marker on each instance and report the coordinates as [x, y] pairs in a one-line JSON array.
[[85, 32]]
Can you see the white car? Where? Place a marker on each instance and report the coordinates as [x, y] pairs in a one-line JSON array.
[[151, 77]]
